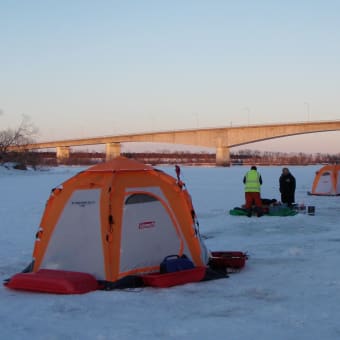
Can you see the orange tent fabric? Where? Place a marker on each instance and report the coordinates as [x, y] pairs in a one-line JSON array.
[[116, 219], [327, 181]]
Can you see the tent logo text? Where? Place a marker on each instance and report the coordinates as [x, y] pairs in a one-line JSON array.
[[83, 203], [146, 225]]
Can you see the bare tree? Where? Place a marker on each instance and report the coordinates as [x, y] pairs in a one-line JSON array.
[[19, 137]]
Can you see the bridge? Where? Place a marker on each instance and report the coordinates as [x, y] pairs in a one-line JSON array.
[[222, 138]]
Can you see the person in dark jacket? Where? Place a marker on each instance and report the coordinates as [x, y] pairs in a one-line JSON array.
[[252, 187], [287, 187]]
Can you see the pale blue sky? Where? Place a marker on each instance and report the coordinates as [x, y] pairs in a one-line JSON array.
[[83, 68]]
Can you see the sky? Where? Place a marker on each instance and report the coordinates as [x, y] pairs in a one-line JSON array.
[[288, 289], [81, 68]]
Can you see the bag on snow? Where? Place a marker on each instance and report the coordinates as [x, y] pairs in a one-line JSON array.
[[174, 263]]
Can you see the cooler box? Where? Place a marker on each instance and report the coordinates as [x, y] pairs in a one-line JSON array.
[[228, 259], [174, 263]]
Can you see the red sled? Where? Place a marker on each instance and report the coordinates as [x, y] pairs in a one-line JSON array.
[[228, 259], [54, 281], [175, 278]]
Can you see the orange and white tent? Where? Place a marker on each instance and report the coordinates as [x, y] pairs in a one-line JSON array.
[[327, 181], [116, 219]]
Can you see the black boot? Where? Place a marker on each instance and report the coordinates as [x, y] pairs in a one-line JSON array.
[[259, 212]]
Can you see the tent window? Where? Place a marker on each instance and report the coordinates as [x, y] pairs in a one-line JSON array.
[[139, 198], [325, 174]]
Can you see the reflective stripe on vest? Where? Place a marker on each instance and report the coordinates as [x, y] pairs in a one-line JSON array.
[[252, 181]]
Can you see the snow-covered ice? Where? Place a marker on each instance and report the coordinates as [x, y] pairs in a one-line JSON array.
[[289, 288]]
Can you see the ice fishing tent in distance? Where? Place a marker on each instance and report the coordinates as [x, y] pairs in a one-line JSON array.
[[327, 181], [117, 219]]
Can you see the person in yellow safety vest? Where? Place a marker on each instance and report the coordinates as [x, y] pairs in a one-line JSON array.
[[252, 188]]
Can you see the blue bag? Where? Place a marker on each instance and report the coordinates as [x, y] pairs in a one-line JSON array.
[[174, 263]]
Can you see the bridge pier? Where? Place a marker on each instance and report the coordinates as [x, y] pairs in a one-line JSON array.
[[222, 156], [112, 150], [63, 153]]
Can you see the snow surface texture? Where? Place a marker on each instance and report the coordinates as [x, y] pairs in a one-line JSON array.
[[289, 288]]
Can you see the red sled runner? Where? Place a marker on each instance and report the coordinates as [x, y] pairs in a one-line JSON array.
[[54, 281], [174, 278]]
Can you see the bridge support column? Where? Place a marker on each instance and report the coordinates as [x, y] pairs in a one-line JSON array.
[[63, 153], [222, 156], [112, 150]]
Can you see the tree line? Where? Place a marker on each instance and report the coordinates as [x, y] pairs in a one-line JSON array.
[[284, 158], [242, 157]]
